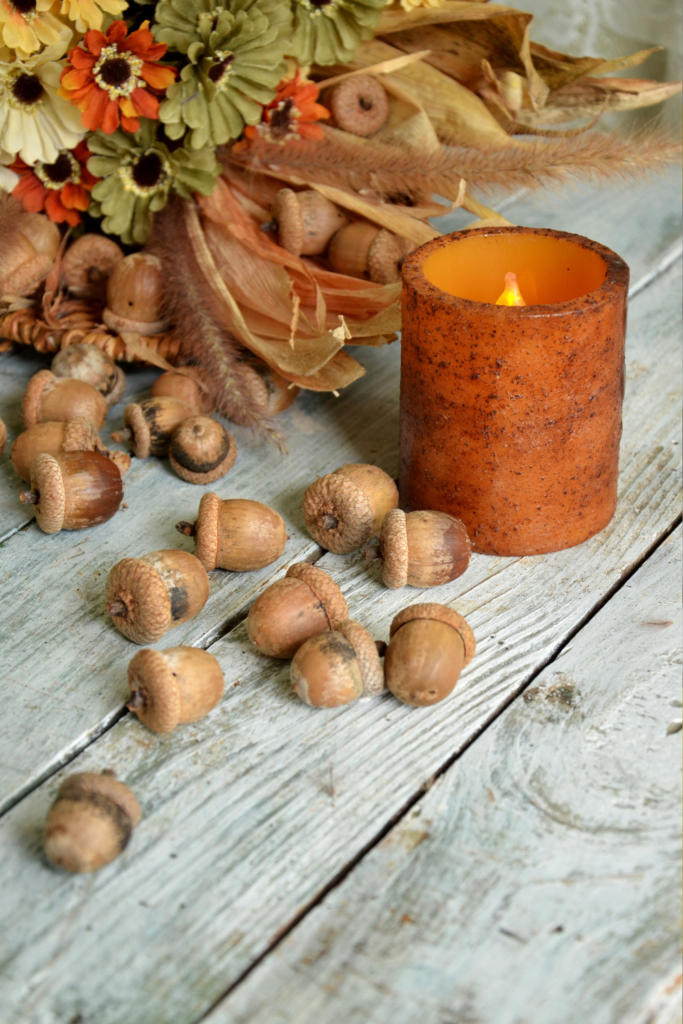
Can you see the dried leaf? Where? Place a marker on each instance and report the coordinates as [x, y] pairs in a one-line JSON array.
[[588, 96]]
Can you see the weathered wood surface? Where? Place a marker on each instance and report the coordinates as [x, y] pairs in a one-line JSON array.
[[251, 812], [538, 880]]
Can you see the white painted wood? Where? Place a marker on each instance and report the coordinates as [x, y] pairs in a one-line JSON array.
[[251, 811], [538, 880]]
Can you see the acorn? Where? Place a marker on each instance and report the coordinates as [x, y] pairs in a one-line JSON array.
[[42, 233], [187, 385], [201, 450], [346, 508], [149, 425], [236, 534], [91, 364], [134, 296], [302, 604], [423, 549], [27, 256], [148, 596], [53, 439], [90, 823], [305, 221], [3, 437], [359, 105], [48, 399], [337, 667], [429, 647], [366, 250], [73, 491], [87, 265], [172, 687]]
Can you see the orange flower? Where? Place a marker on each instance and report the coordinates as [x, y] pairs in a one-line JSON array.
[[61, 188], [113, 78], [293, 112]]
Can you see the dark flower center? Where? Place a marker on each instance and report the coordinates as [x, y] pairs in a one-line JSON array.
[[27, 89], [115, 71], [320, 3], [61, 170], [148, 171], [24, 7], [280, 119], [216, 71]]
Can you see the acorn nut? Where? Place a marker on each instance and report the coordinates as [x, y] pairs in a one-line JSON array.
[[302, 604], [346, 508], [3, 437], [187, 385], [201, 450], [172, 687], [26, 257], [54, 439], [148, 596], [359, 105], [134, 296], [87, 264], [305, 221], [73, 491], [49, 398], [423, 549], [337, 667], [429, 647], [365, 250], [90, 823], [149, 425], [91, 364], [236, 534]]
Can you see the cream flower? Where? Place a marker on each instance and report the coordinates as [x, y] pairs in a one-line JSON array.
[[27, 25], [35, 121], [409, 5], [86, 14], [8, 179]]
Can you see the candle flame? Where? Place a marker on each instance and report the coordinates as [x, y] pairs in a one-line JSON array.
[[511, 295]]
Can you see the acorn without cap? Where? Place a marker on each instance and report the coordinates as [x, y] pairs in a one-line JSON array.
[[305, 221], [429, 647], [90, 823], [73, 491], [337, 667], [91, 364], [49, 398], [149, 425], [149, 595], [87, 264], [201, 450], [423, 549], [172, 687], [347, 507], [134, 296], [187, 385], [359, 105], [302, 604], [236, 534], [365, 250]]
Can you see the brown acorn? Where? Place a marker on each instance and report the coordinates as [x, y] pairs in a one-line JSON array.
[[187, 385], [27, 256], [91, 364], [149, 425], [305, 221], [172, 687], [42, 233], [48, 399], [53, 439], [303, 604], [73, 491], [346, 508], [366, 250], [3, 437], [337, 667], [201, 450], [134, 296], [359, 105], [423, 549], [90, 823], [236, 534], [87, 264], [429, 647]]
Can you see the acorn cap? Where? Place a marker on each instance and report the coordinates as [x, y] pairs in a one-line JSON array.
[[335, 497], [371, 668], [3, 436], [150, 675], [141, 441], [81, 435], [325, 590], [385, 258], [88, 262], [439, 613], [360, 105], [120, 459], [139, 586], [33, 395], [287, 212], [207, 530], [102, 785], [394, 548], [46, 480], [214, 450], [118, 388]]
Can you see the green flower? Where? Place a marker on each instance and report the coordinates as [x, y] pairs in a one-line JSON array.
[[138, 172], [328, 31], [235, 66]]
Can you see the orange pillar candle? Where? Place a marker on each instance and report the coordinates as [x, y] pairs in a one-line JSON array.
[[511, 414]]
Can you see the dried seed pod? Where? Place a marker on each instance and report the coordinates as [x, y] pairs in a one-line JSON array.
[[53, 439], [201, 450], [236, 534], [148, 596], [48, 398], [73, 491], [303, 604], [423, 549], [149, 425], [134, 295], [172, 687], [346, 508], [364, 250], [429, 647], [266, 390], [3, 437], [337, 667], [187, 385], [90, 823], [87, 264], [305, 221], [359, 105], [91, 364]]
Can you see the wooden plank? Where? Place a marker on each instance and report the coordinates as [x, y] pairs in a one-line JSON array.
[[250, 812], [549, 852]]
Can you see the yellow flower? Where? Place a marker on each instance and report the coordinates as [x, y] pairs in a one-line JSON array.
[[27, 25], [86, 14], [409, 5]]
